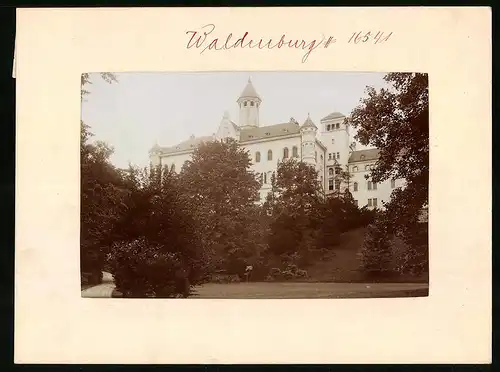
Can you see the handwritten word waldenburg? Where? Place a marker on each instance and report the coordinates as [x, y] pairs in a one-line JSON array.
[[201, 40], [204, 39]]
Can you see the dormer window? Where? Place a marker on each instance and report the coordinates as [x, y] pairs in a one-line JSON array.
[[337, 126], [328, 128], [268, 134], [362, 157], [251, 103], [245, 103]]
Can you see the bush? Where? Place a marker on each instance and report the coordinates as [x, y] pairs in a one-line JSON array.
[[146, 270], [376, 255]]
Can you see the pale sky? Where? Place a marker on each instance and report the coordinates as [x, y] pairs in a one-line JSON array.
[[144, 108]]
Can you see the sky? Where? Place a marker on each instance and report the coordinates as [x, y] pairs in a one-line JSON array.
[[166, 108]]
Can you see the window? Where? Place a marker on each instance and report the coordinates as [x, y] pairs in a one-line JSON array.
[[330, 171], [265, 178], [337, 126], [330, 184], [362, 157], [251, 103], [245, 104], [172, 168], [338, 170], [269, 176], [355, 186], [369, 202], [328, 127], [355, 168], [356, 203], [333, 141], [330, 156], [369, 185], [269, 155], [315, 156], [374, 185], [337, 185], [338, 155], [268, 133], [321, 157], [393, 183], [261, 178], [285, 153], [257, 157], [295, 152], [374, 202], [367, 167]]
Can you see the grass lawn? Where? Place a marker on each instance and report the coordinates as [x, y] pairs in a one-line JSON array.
[[310, 290]]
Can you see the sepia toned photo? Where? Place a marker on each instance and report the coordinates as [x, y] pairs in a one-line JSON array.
[[254, 185]]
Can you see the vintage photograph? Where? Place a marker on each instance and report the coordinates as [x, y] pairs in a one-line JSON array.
[[254, 185]]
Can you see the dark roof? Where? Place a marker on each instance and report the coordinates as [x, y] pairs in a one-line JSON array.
[[269, 131], [364, 155], [309, 123], [189, 144], [249, 91], [334, 115]]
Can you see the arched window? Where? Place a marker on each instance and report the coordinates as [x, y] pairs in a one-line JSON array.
[[330, 171], [355, 186], [265, 178], [295, 152], [270, 155], [285, 153], [257, 157]]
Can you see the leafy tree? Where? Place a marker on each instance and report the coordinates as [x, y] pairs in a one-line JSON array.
[[396, 121], [102, 203], [376, 254], [159, 253], [101, 195], [221, 191], [294, 200]]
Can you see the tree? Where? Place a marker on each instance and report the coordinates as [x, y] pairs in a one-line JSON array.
[[376, 254], [221, 190], [396, 121], [159, 252], [101, 195], [295, 200], [102, 203]]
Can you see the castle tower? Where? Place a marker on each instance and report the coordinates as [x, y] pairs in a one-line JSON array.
[[308, 132], [335, 135], [249, 103], [155, 155]]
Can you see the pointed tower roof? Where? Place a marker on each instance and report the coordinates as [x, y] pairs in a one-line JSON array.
[[249, 91], [308, 123]]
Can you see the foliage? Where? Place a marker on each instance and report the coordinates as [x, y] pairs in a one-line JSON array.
[[144, 269], [396, 121], [376, 255], [220, 190], [102, 202]]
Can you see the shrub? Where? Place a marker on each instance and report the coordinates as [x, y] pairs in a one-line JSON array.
[[141, 270], [376, 255]]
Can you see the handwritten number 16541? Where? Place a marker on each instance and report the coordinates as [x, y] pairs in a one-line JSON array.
[[373, 37]]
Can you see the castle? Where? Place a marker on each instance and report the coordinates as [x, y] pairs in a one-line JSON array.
[[328, 148]]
